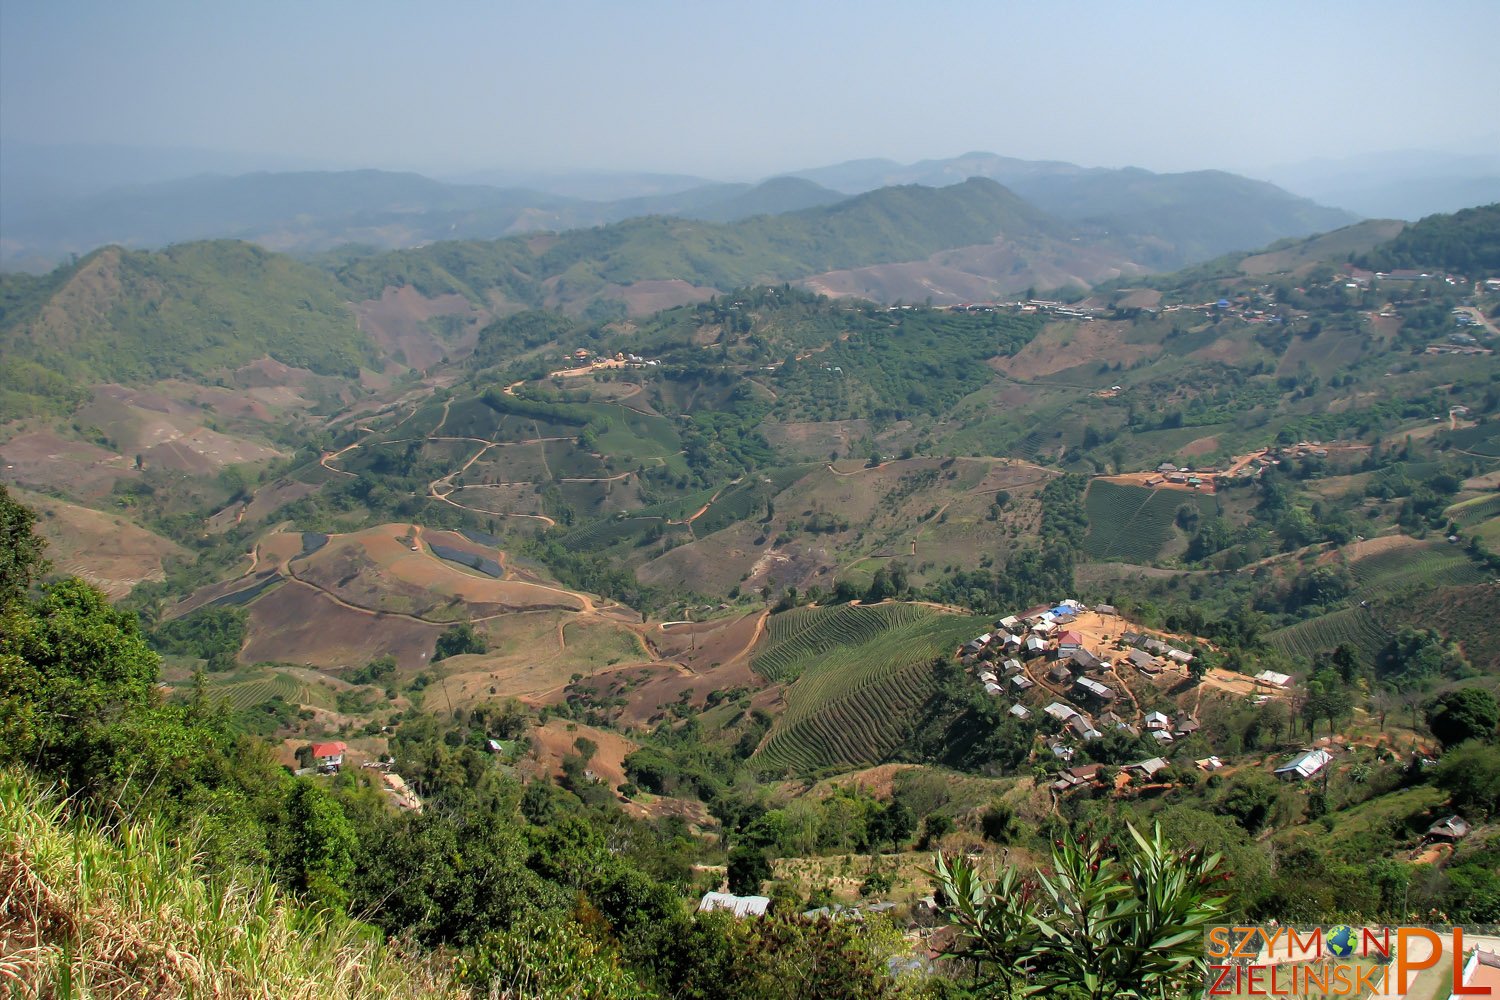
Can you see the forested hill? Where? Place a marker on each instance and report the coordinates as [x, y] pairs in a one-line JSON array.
[[1467, 242], [127, 315], [892, 224]]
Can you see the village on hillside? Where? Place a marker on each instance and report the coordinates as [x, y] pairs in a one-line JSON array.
[[1076, 660]]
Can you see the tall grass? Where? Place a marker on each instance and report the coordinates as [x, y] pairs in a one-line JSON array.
[[125, 912]]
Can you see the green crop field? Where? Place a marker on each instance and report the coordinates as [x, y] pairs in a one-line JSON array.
[[1132, 523], [255, 689], [604, 534], [1472, 512], [1437, 564], [1359, 627], [1482, 439], [853, 704], [803, 634]]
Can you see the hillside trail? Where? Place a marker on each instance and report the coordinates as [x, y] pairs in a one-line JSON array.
[[868, 468], [443, 420], [704, 509], [330, 455], [588, 608]]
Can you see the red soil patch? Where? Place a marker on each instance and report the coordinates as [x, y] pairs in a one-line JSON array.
[[398, 323], [643, 298], [105, 549], [294, 623], [1067, 345], [705, 645], [372, 569], [554, 741], [48, 461]]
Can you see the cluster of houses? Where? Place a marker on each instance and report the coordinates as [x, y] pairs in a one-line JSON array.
[[1043, 632], [622, 359], [1166, 472]]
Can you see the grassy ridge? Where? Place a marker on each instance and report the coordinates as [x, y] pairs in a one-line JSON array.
[[189, 310], [114, 910]]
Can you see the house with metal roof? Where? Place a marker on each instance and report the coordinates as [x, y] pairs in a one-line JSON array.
[[740, 906], [1094, 689], [1304, 765], [1451, 830], [1271, 678], [1020, 711], [1158, 721], [1060, 712]]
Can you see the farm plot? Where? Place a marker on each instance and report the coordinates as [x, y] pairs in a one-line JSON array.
[[1133, 523], [482, 564], [854, 704], [1424, 565], [605, 534], [803, 634], [1475, 511], [1481, 439], [1358, 627]]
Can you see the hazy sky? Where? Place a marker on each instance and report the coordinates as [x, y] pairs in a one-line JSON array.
[[744, 89]]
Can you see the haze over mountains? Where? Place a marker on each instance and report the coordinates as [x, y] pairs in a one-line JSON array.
[[1190, 216]]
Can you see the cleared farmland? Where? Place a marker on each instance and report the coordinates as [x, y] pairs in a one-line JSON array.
[[799, 636], [1133, 523], [1475, 511], [1358, 627], [854, 704], [1435, 564]]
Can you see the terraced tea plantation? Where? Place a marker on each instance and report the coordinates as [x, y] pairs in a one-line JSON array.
[[1358, 627], [1475, 511], [1133, 523], [1435, 564], [853, 705], [800, 636]]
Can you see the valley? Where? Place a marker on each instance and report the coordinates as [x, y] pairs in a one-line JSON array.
[[747, 566]]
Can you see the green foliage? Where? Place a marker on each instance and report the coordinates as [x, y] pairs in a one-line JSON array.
[[69, 666], [1466, 241], [188, 310], [457, 640], [548, 961], [1126, 924], [213, 634], [1470, 774], [21, 559], [1462, 715]]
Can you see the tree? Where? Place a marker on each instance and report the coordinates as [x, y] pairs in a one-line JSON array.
[[1466, 714], [748, 868], [320, 852], [71, 667], [1471, 777], [457, 640], [21, 559]]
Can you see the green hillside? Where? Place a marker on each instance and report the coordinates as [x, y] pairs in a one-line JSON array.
[[893, 224], [1467, 241], [189, 310]]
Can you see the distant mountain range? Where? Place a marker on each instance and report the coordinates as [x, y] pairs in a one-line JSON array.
[[200, 308], [1173, 218]]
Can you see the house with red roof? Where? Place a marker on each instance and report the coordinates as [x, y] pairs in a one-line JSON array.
[[329, 756]]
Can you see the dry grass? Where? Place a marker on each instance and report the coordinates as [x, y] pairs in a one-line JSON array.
[[127, 914]]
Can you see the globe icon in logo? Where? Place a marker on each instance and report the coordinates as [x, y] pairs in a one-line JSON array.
[[1340, 941]]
